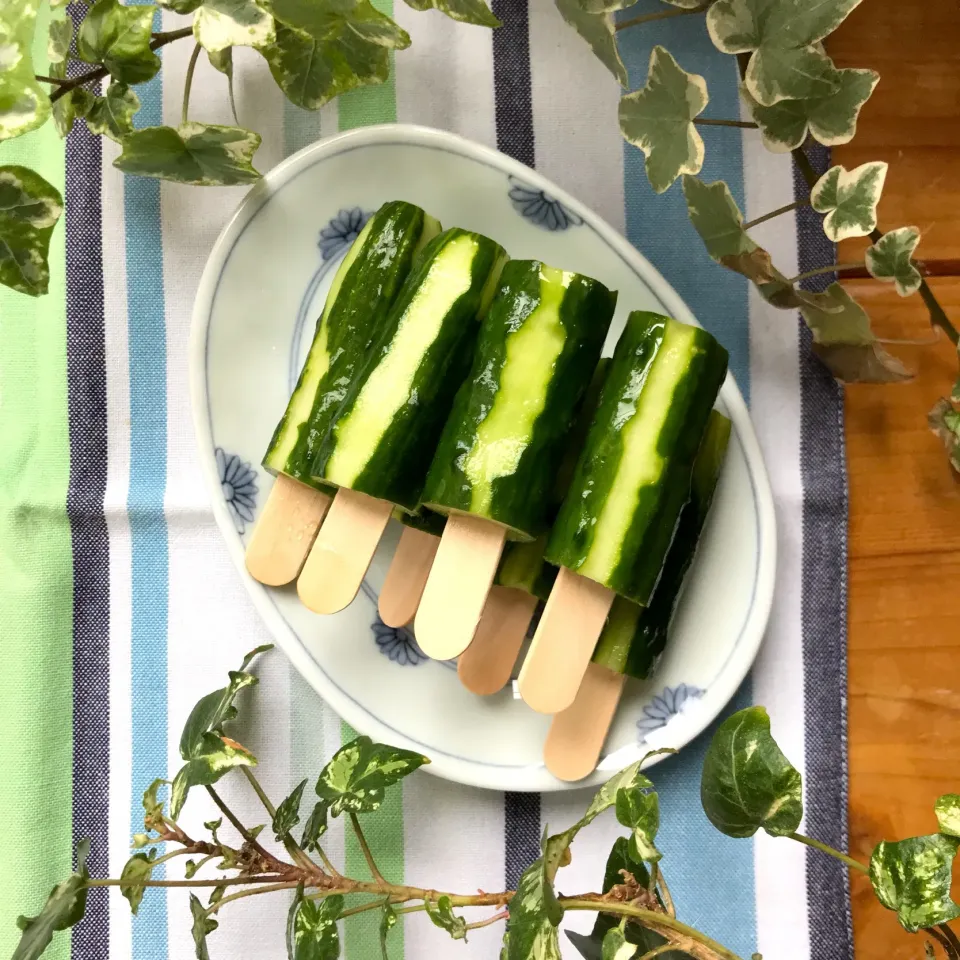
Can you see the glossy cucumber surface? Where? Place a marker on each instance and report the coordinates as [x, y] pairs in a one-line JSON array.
[[510, 425], [385, 433], [364, 287], [633, 476], [634, 637]]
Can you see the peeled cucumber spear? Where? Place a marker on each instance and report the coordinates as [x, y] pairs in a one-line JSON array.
[[378, 260], [634, 637], [632, 480], [378, 446], [495, 466]]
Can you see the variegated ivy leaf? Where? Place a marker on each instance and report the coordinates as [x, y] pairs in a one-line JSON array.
[[24, 104], [913, 877], [830, 119], [639, 810], [849, 199], [29, 210], [323, 50], [463, 11], [202, 926], [136, 871], [441, 915], [221, 24], [204, 154], [846, 344], [604, 6], [112, 114], [787, 62], [58, 39], [616, 946], [944, 421], [180, 6], [534, 915], [222, 60], [598, 30], [658, 119], [890, 258], [312, 928], [119, 36], [947, 809]]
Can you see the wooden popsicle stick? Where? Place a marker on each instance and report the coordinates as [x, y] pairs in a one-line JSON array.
[[457, 587], [485, 666], [576, 735], [407, 576], [342, 551], [563, 644], [285, 531]]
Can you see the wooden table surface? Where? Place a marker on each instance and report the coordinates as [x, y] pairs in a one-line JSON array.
[[904, 588]]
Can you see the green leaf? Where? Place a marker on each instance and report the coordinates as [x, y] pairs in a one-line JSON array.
[[944, 421], [288, 812], [845, 342], [639, 810], [204, 154], [135, 872], [112, 114], [24, 103], [221, 24], [616, 946], [891, 258], [327, 48], [442, 915], [315, 827], [119, 37], [747, 783], [29, 210], [716, 217], [830, 119], [222, 60], [534, 915], [216, 757], [783, 37], [180, 6], [202, 925], [849, 199], [360, 771], [598, 30], [388, 919], [913, 877], [947, 809], [312, 928], [658, 119], [152, 806], [64, 908], [59, 39], [464, 11]]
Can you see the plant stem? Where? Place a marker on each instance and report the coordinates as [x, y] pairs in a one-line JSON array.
[[944, 942], [187, 84], [950, 936], [709, 122], [666, 897], [833, 268], [368, 856], [363, 908], [289, 844], [825, 848], [241, 829], [656, 951], [231, 881], [502, 915], [159, 40], [776, 213], [660, 15], [257, 789], [331, 869], [269, 888], [43, 79]]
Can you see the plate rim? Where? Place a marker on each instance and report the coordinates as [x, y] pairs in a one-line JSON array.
[[470, 772]]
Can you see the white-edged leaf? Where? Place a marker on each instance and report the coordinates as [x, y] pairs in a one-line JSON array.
[[830, 119], [119, 37], [658, 119], [58, 39], [112, 114], [29, 210], [944, 421], [24, 103], [463, 11], [598, 30], [717, 218], [534, 915], [616, 946], [947, 809], [849, 199], [891, 258], [220, 24]]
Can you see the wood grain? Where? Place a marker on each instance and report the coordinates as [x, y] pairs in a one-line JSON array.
[[904, 648]]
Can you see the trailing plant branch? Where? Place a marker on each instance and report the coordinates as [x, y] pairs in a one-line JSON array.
[[188, 83], [229, 881], [289, 844], [786, 208], [825, 848], [367, 855], [240, 894], [656, 951], [55, 80], [661, 15], [820, 271], [709, 122], [239, 827]]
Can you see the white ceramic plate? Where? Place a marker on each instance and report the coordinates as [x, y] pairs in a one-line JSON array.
[[261, 291]]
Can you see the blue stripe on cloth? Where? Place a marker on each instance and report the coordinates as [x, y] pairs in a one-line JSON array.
[[148, 531], [87, 404], [698, 860]]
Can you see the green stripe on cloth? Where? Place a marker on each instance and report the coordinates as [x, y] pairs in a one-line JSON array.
[[36, 586]]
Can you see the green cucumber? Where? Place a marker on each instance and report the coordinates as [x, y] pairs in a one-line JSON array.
[[421, 519], [364, 287], [634, 637], [386, 430], [510, 425], [633, 477]]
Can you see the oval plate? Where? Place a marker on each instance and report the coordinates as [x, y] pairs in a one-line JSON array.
[[262, 289]]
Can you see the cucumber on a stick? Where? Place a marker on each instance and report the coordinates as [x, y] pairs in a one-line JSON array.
[[378, 446], [631, 482], [363, 289], [403, 585], [496, 464]]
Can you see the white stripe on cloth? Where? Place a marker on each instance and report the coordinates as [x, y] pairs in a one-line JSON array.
[[781, 889], [577, 138]]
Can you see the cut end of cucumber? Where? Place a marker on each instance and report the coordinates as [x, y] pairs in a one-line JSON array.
[[513, 533]]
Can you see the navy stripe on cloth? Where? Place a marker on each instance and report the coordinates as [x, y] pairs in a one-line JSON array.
[[87, 409], [824, 607], [511, 81], [522, 834]]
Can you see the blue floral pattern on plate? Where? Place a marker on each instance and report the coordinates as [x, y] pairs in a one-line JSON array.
[[341, 231], [665, 706], [540, 208], [398, 644], [238, 481]]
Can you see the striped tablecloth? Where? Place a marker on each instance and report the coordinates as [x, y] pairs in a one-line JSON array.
[[119, 606]]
